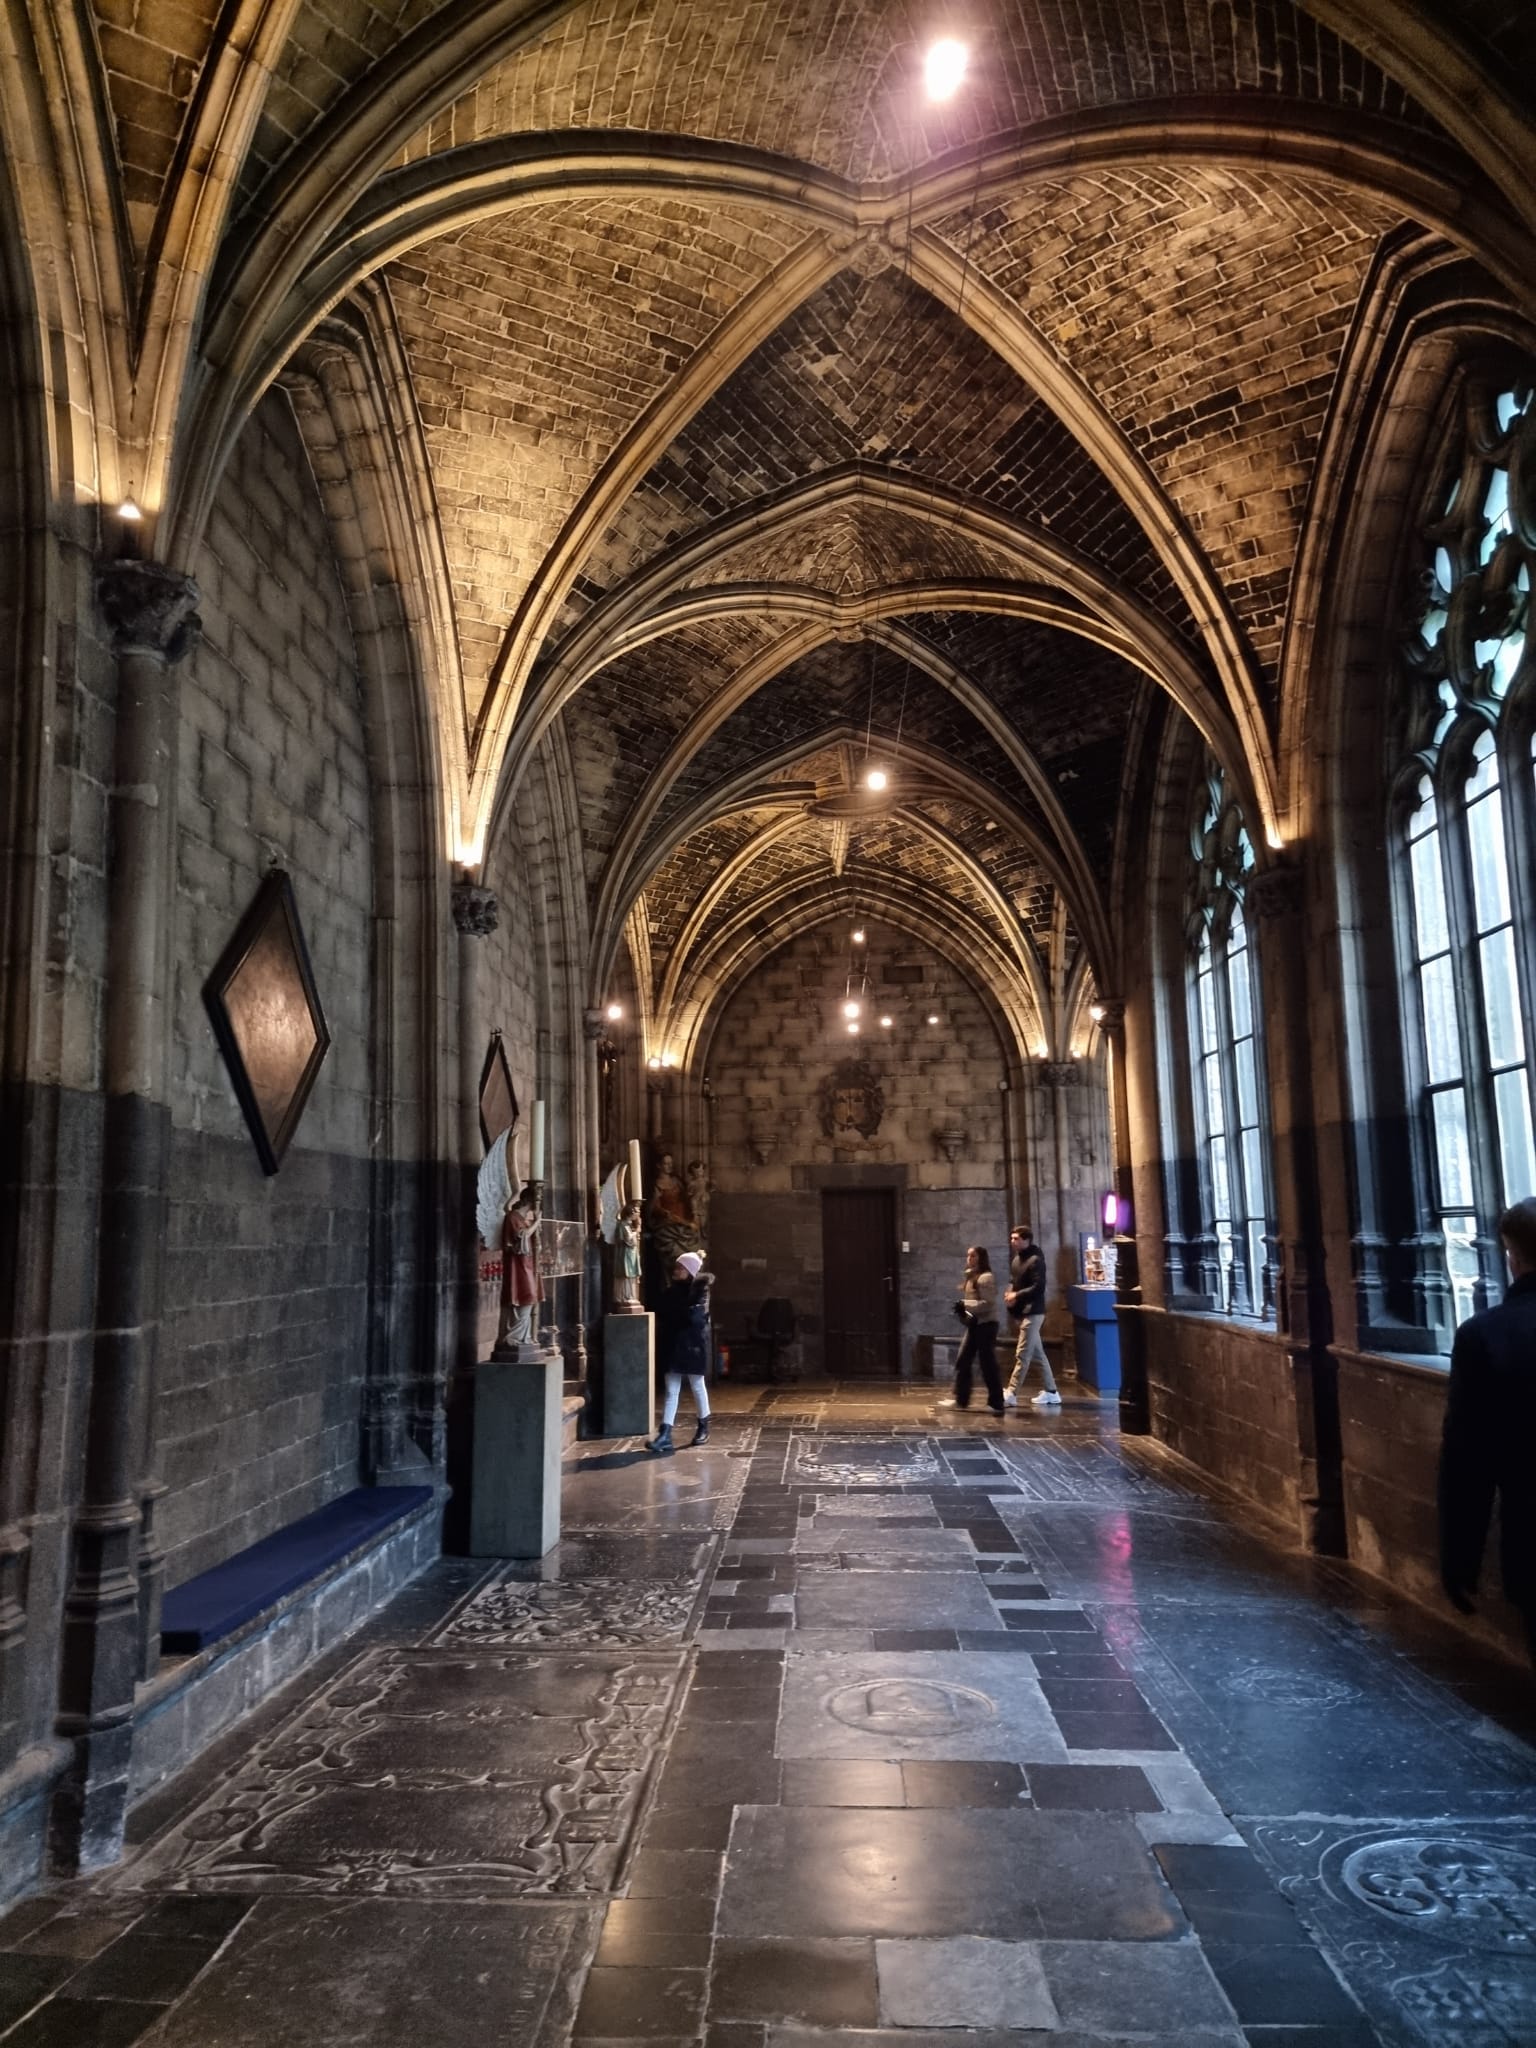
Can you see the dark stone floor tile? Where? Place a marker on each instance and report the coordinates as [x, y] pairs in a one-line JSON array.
[[963, 1784], [689, 1827], [994, 1639], [154, 1970], [1004, 1567], [720, 1780], [733, 1668], [1245, 1919], [633, 1921], [194, 1919], [1054, 1621], [1113, 1731], [1085, 1662], [821, 1983], [725, 1704], [24, 1979], [1208, 1867], [84, 1931], [1092, 1788], [83, 2023], [620, 1949], [1280, 1986], [745, 1568], [674, 1874], [25, 1919], [734, 2034], [811, 1781], [1092, 1695], [629, 2005], [754, 1620], [915, 1639]]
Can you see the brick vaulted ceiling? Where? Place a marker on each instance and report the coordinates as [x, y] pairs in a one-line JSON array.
[[772, 418]]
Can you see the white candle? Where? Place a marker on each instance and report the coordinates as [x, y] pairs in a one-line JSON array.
[[536, 1144], [635, 1189]]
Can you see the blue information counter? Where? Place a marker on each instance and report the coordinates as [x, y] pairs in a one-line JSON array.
[[1096, 1335]]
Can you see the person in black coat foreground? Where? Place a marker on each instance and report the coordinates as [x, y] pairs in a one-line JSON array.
[[682, 1344], [1489, 1445]]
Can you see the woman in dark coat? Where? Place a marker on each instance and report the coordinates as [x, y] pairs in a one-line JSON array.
[[682, 1343]]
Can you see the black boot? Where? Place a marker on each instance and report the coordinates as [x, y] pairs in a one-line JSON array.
[[701, 1434], [662, 1440]]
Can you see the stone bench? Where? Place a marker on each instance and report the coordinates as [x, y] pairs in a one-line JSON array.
[[217, 1602]]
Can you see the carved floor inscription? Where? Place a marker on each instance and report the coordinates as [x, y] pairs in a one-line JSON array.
[[606, 1611], [435, 1775]]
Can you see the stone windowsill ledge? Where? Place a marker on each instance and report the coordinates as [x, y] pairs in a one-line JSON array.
[[1423, 1365]]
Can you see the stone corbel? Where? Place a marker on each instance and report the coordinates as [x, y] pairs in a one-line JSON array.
[[151, 609], [476, 912]]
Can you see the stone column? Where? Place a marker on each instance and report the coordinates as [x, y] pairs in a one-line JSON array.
[[1134, 1410], [1275, 901], [475, 916], [111, 1635]]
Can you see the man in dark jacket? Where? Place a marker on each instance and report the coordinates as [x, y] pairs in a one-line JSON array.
[[1025, 1296], [1489, 1445]]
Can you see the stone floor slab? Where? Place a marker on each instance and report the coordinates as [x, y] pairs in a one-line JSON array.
[[387, 1973], [928, 1704], [1113, 1987], [908, 1600], [964, 1981]]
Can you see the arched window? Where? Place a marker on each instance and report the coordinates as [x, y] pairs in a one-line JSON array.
[[1226, 1056], [1466, 805]]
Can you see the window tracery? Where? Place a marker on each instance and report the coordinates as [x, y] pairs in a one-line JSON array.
[[1225, 1053], [1466, 808]]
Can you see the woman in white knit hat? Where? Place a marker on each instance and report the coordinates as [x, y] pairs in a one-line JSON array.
[[682, 1339]]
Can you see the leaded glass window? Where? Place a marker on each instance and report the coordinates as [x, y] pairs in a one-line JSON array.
[[1467, 803], [1226, 1055]]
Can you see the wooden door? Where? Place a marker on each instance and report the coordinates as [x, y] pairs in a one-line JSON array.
[[858, 1243]]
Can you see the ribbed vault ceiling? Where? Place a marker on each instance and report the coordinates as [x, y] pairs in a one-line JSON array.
[[763, 419]]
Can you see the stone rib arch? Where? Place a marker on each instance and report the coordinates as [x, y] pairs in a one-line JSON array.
[[1066, 853], [750, 789], [911, 909], [720, 885]]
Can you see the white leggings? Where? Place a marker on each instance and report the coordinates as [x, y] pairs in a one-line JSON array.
[[675, 1387]]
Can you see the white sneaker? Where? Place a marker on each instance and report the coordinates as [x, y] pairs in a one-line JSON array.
[[1010, 1398], [1046, 1400], [943, 1404]]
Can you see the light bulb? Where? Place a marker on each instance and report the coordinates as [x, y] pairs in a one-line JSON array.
[[853, 1030], [129, 510], [615, 1012], [944, 67], [850, 1009], [1096, 1012], [876, 779], [933, 1020], [858, 937], [885, 1023]]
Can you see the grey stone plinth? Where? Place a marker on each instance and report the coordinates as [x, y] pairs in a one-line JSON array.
[[629, 1375], [515, 1503]]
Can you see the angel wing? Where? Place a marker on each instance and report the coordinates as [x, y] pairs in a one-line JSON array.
[[493, 1191], [609, 1202]]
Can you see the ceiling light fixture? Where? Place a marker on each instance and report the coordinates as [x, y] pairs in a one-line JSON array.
[[876, 779], [615, 1012], [933, 1020], [858, 937], [944, 67], [850, 1009], [885, 1023], [853, 1030], [129, 510]]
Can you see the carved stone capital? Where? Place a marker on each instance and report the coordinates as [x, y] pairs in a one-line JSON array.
[[1274, 892], [1058, 1073], [476, 912], [594, 1023], [151, 609]]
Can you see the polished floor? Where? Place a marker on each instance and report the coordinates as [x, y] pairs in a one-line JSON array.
[[868, 1722]]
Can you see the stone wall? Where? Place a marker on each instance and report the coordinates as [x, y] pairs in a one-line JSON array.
[[1225, 1396], [777, 1044], [1390, 1417], [263, 1352]]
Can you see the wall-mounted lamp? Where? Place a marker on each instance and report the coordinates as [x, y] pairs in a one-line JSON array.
[[1111, 1213], [614, 1012], [1096, 1012]]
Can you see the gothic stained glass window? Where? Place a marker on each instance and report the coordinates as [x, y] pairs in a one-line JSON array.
[[1467, 806], [1225, 1050]]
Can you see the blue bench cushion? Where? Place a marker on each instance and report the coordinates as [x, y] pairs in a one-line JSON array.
[[217, 1602]]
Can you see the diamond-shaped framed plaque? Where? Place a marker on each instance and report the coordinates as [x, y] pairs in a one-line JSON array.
[[498, 1098], [266, 1016]]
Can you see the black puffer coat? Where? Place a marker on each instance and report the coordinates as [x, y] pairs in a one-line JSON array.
[[682, 1326]]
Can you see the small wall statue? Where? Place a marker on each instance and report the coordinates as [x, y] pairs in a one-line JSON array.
[[698, 1191], [521, 1287], [626, 1263], [673, 1230]]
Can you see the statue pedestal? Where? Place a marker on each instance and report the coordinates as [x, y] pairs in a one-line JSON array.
[[629, 1374], [515, 1497]]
